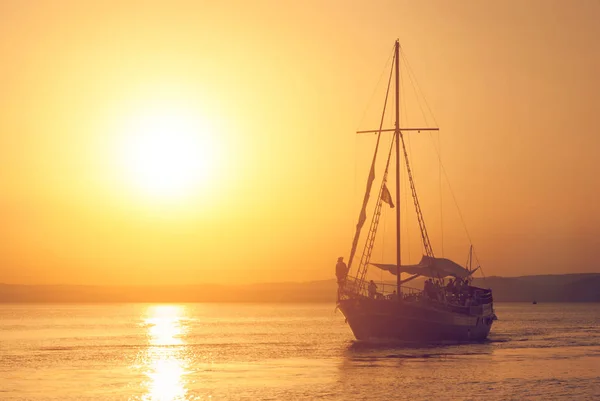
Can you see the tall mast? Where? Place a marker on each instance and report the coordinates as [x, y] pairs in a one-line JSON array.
[[397, 137], [470, 257]]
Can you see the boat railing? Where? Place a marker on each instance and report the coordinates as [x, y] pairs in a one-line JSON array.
[[353, 287], [350, 286], [481, 295], [476, 300]]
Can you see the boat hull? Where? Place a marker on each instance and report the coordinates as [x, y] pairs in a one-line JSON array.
[[413, 321]]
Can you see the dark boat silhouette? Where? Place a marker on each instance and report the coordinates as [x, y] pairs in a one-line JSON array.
[[446, 309]]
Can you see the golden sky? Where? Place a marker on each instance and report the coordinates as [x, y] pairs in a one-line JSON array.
[[265, 176]]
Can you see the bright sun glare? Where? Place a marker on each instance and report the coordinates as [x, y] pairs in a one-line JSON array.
[[169, 155], [166, 365]]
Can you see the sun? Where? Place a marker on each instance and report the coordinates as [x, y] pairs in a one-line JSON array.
[[169, 155]]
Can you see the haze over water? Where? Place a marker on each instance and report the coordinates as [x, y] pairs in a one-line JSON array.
[[285, 351]]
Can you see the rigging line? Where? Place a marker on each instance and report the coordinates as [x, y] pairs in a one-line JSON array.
[[385, 67], [404, 191], [355, 180], [412, 82], [368, 249], [440, 192], [383, 238], [385, 213], [352, 225], [431, 138], [366, 253], [383, 244], [411, 72], [416, 87], [385, 174], [410, 78], [417, 90], [424, 235], [421, 108], [458, 209], [412, 173], [369, 181]]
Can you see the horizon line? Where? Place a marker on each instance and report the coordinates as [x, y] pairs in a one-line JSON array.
[[259, 283]]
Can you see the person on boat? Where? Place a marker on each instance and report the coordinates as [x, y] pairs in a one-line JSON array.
[[449, 291], [427, 287], [450, 286], [372, 289], [430, 289], [459, 286], [341, 270], [459, 290]]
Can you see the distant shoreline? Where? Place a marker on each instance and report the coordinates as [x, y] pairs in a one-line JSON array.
[[583, 287]]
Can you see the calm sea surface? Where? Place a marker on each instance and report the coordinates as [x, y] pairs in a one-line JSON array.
[[285, 352]]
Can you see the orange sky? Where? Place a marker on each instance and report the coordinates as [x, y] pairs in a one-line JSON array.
[[281, 88]]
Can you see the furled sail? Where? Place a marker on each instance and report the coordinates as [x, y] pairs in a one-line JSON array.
[[429, 267], [363, 211]]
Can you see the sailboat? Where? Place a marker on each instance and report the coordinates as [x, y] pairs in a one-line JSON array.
[[449, 308]]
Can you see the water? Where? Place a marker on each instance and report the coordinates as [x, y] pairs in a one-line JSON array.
[[285, 352]]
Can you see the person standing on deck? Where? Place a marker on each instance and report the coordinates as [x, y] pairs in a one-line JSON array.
[[372, 289], [341, 270]]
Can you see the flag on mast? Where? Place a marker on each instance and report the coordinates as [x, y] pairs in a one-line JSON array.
[[386, 196]]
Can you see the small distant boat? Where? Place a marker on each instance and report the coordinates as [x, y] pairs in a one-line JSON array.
[[534, 302], [445, 310]]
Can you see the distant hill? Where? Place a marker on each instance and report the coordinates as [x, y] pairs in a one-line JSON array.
[[315, 291], [547, 288]]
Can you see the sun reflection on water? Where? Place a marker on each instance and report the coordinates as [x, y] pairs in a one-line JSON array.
[[165, 359]]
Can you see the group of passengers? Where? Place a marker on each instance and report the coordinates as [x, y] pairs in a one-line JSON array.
[[456, 291]]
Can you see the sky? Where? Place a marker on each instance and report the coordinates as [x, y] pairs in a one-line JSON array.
[[155, 142]]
